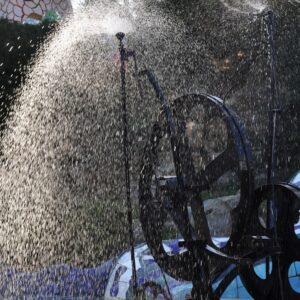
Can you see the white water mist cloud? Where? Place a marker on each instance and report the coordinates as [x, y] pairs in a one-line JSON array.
[[113, 23]]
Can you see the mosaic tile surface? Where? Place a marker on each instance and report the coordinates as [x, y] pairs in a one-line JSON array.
[[20, 10]]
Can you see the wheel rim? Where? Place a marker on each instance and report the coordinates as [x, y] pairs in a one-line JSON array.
[[153, 212]]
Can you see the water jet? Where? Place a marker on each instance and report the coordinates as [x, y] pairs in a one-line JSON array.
[[202, 137]]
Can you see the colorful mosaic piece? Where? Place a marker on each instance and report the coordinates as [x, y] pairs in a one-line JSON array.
[[112, 280], [20, 10]]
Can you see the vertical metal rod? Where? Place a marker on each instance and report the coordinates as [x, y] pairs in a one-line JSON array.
[[274, 105], [123, 57], [272, 205]]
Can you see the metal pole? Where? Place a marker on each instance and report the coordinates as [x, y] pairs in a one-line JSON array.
[[272, 205], [123, 56]]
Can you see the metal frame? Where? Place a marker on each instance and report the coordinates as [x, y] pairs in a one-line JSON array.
[[202, 262]]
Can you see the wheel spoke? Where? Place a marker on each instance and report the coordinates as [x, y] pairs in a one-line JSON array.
[[216, 168]]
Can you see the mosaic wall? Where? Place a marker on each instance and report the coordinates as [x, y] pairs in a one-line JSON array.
[[20, 10]]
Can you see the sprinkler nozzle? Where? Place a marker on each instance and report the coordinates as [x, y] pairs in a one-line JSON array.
[[120, 36]]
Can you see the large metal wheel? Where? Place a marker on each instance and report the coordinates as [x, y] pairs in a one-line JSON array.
[[268, 286], [201, 165]]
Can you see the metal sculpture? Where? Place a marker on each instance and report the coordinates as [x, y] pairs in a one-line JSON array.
[[254, 237]]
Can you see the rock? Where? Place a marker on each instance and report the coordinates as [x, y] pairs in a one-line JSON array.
[[218, 214]]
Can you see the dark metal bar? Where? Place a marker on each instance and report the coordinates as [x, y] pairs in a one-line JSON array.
[[174, 142], [202, 288], [272, 205], [123, 56], [164, 102]]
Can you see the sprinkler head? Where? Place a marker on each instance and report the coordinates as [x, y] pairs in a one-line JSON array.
[[265, 13], [120, 36]]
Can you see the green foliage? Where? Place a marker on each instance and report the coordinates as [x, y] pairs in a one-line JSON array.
[[19, 43], [52, 16]]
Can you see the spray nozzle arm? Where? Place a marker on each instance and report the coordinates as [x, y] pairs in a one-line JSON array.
[[120, 36]]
